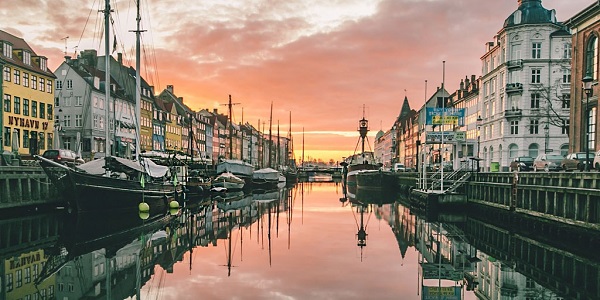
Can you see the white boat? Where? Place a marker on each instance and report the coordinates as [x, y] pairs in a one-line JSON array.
[[237, 167], [265, 178], [229, 181]]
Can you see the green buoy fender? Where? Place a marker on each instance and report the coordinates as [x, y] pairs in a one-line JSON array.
[[173, 204], [144, 207], [173, 211], [144, 215]]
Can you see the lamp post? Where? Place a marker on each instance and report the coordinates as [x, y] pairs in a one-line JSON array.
[[547, 134], [479, 121], [587, 88]]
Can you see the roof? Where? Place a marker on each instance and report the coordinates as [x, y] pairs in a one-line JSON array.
[[20, 44], [530, 12]]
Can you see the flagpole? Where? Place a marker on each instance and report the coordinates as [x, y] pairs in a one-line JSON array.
[[442, 126]]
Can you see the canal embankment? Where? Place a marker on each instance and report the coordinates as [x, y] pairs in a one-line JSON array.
[[26, 187]]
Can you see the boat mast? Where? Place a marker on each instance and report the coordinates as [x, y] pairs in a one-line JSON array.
[[278, 155], [138, 84], [230, 130], [363, 129], [270, 133], [107, 147]]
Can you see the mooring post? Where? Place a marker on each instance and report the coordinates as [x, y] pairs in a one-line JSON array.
[[513, 198]]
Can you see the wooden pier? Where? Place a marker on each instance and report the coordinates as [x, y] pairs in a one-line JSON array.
[[26, 187]]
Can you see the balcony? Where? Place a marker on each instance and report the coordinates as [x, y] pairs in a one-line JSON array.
[[513, 113], [514, 64], [514, 88]]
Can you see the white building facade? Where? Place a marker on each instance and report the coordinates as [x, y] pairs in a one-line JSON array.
[[525, 88]]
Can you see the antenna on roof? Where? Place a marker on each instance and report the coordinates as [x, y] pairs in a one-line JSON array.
[[65, 38]]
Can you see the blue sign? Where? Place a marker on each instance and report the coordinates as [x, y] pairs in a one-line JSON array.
[[444, 116]]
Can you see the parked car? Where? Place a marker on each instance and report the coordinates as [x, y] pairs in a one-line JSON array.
[[547, 162], [522, 163], [398, 167], [576, 161], [63, 156]]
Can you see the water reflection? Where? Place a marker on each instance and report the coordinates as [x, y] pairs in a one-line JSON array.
[[241, 245]]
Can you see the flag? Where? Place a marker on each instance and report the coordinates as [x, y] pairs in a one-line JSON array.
[[142, 181], [114, 44]]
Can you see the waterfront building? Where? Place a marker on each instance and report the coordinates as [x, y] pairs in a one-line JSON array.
[[525, 95], [467, 98], [203, 136], [180, 116], [406, 144], [159, 125], [384, 148], [80, 103], [585, 29], [432, 149], [125, 135], [27, 98]]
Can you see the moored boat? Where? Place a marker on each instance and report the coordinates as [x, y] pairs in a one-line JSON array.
[[229, 181], [361, 161], [266, 178]]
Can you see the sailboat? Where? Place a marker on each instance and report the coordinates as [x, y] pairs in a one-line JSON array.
[[361, 161], [236, 167], [113, 183]]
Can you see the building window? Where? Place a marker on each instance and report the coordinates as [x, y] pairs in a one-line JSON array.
[[17, 105], [566, 75], [27, 58], [28, 269], [17, 77], [34, 82], [7, 136], [34, 108], [49, 111], [42, 110], [42, 84], [536, 75], [536, 50], [591, 58], [67, 101], [7, 74], [26, 107], [69, 84], [7, 103], [535, 100], [514, 127], [26, 145], [50, 141], [78, 120], [567, 51], [49, 86], [59, 84], [42, 142], [592, 129], [67, 121], [534, 127], [566, 101], [78, 101], [533, 150], [25, 79], [9, 277], [565, 126]]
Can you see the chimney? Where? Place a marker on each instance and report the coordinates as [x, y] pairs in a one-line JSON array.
[[215, 111], [473, 79], [180, 99], [120, 58], [462, 85], [170, 88], [467, 82], [152, 89], [68, 59]]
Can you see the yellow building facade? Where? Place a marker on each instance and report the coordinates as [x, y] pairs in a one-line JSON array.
[[27, 98]]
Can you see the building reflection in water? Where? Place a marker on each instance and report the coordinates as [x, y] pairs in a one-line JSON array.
[[111, 256]]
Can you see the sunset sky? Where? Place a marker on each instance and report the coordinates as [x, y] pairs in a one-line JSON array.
[[321, 60]]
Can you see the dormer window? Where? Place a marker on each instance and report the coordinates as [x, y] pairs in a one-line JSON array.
[[27, 58], [43, 64], [7, 50]]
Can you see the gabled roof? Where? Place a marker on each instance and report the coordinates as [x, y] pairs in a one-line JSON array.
[[20, 44]]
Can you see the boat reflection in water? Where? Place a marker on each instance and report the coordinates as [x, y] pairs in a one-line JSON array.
[[110, 256]]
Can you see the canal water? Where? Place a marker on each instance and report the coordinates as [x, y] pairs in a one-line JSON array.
[[310, 241]]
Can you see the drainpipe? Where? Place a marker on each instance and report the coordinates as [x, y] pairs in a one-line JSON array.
[[2, 106]]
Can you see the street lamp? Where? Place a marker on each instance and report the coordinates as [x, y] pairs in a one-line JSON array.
[[587, 88], [479, 121]]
